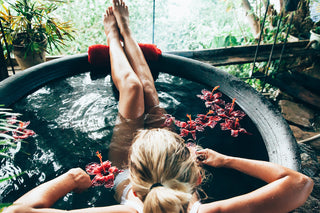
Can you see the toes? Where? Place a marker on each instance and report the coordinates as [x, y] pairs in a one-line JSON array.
[[116, 3], [123, 4], [110, 10]]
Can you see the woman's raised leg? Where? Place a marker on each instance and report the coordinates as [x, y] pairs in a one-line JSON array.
[[131, 100], [135, 55]]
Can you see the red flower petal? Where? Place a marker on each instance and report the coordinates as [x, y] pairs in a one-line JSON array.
[[93, 169], [106, 165], [98, 180]]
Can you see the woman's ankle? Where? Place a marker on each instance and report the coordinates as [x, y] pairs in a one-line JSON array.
[[113, 36], [126, 33]]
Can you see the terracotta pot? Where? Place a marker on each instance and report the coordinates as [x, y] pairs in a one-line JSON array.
[[31, 59], [315, 37]]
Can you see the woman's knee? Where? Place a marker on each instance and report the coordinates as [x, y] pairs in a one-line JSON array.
[[149, 88], [134, 87], [131, 84]]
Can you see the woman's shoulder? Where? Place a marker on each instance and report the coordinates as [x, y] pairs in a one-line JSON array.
[[120, 190], [195, 207]]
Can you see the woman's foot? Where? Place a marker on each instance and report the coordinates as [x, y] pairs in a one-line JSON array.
[[121, 12], [110, 24]]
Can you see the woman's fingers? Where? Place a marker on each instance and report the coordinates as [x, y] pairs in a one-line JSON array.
[[202, 156]]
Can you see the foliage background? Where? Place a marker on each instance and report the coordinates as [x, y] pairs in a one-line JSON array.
[[179, 25]]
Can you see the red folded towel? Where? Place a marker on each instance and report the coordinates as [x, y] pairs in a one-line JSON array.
[[98, 57]]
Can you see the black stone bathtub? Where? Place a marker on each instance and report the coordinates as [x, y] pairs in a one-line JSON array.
[[278, 143]]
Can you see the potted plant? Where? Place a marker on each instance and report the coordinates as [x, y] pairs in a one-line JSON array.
[[315, 37], [30, 28]]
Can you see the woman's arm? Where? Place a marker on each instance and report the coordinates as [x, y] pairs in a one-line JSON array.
[[45, 195], [285, 191], [107, 209]]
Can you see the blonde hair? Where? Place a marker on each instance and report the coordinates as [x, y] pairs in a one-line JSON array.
[[160, 156]]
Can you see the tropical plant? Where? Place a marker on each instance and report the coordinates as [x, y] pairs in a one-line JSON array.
[[12, 131], [29, 22], [179, 25], [6, 139], [6, 127]]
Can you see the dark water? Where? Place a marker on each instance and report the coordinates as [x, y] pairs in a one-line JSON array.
[[74, 117]]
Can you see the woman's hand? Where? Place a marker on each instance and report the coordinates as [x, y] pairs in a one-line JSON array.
[[81, 179], [211, 158]]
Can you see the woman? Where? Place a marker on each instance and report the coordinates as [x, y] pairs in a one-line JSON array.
[[163, 174]]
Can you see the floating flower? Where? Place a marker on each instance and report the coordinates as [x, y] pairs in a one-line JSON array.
[[21, 132], [104, 172], [211, 98], [189, 127], [220, 111], [206, 120], [234, 126], [230, 113], [168, 121], [227, 112]]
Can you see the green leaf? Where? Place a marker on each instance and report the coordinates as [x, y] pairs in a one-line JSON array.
[[9, 178], [4, 155], [4, 109], [5, 128], [3, 205], [6, 136], [6, 142]]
